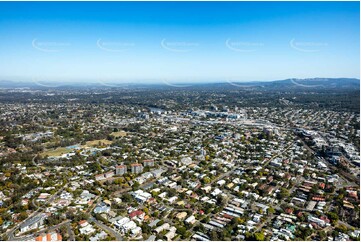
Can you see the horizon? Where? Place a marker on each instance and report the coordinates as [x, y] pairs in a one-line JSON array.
[[137, 41], [115, 84]]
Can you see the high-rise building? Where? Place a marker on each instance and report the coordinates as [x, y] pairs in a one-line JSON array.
[[148, 163], [136, 168], [120, 170]]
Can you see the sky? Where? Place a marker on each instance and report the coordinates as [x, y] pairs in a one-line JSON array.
[[178, 41]]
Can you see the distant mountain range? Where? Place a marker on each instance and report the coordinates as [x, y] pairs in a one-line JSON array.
[[347, 83], [309, 83]]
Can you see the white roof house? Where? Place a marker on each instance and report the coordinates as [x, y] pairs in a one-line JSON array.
[[129, 226], [119, 223], [190, 220], [162, 227], [172, 199], [162, 195], [216, 192]]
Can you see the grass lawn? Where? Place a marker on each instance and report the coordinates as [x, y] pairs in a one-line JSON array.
[[119, 134], [63, 150], [94, 143], [55, 152]]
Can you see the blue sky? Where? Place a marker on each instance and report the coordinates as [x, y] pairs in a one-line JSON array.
[[178, 41]]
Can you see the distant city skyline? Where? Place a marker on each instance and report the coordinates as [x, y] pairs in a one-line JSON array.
[[178, 41]]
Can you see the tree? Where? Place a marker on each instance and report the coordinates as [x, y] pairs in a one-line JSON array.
[[322, 234], [145, 228], [314, 189], [271, 210], [283, 193], [206, 180], [342, 228], [81, 216], [234, 221], [118, 181], [221, 200], [182, 231], [333, 216], [172, 192], [127, 197], [259, 236], [23, 215], [160, 223], [199, 227], [135, 186], [214, 235]]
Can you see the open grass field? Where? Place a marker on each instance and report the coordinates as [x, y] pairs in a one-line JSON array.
[[55, 152], [94, 143], [119, 134], [64, 150]]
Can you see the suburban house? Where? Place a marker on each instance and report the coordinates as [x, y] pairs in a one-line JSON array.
[[33, 223]]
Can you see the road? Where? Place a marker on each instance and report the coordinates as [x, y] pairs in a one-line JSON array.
[[145, 186], [10, 233], [345, 224], [224, 175], [33, 160], [118, 237], [31, 236], [70, 232]]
